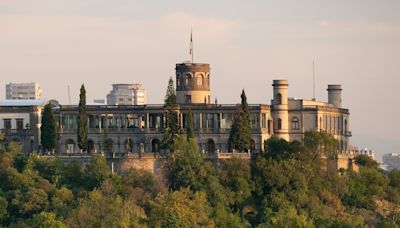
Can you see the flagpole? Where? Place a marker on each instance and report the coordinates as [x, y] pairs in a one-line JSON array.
[[191, 43]]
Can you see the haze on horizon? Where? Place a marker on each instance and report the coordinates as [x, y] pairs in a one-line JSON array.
[[354, 43]]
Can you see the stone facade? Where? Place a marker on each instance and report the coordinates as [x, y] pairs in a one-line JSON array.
[[139, 129], [192, 83]]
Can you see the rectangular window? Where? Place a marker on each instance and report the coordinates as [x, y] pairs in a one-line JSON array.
[[263, 120], [20, 124], [188, 99], [7, 124]]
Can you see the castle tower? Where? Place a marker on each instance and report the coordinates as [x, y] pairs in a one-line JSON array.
[[335, 95], [280, 109], [192, 83]]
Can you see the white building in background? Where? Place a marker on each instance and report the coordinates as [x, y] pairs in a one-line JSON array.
[[391, 161], [23, 91], [127, 94]]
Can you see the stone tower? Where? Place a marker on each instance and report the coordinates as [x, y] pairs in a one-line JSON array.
[[192, 83], [280, 109], [335, 95]]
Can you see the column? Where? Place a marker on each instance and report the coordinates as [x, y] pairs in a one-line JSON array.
[[181, 120], [147, 120], [201, 120], [220, 120]]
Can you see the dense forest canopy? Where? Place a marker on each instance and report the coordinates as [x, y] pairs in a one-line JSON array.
[[288, 185]]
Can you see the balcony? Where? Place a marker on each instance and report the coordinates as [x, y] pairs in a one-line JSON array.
[[347, 133]]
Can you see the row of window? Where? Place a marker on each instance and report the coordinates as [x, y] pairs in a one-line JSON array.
[[187, 80], [295, 123], [19, 123]]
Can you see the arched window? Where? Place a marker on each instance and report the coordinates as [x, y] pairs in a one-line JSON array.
[[279, 124], [295, 123], [252, 146], [278, 98], [90, 146], [188, 80], [200, 80], [155, 145], [210, 146]]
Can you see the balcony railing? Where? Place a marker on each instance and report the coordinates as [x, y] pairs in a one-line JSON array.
[[12, 132]]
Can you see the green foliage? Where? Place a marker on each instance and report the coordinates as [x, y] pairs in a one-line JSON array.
[[105, 208], [188, 167], [288, 186], [189, 127], [172, 129], [363, 186], [280, 149], [48, 129], [83, 121], [240, 134], [45, 220], [366, 161], [321, 143], [181, 208], [97, 171]]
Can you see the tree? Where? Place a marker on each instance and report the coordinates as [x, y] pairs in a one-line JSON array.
[[83, 121], [172, 128], [45, 220], [48, 129], [366, 161], [181, 208], [170, 96], [104, 208], [240, 134], [97, 171], [321, 143], [189, 127]]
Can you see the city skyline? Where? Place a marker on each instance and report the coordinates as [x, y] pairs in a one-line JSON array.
[[60, 43]]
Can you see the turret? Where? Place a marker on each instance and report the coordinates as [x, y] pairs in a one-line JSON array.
[[335, 95], [192, 83], [280, 109]]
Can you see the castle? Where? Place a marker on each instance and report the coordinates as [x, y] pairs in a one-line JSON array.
[[138, 129], [123, 129]]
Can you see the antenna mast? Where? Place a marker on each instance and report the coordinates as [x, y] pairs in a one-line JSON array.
[[69, 96], [313, 73]]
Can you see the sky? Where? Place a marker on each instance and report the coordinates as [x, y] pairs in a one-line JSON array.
[[355, 43]]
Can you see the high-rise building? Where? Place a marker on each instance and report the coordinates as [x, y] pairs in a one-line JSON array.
[[127, 94], [23, 91]]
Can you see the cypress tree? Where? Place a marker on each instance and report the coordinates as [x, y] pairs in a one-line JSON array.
[[48, 129], [245, 126], [170, 96], [240, 134], [235, 131], [83, 121], [189, 127], [172, 123]]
